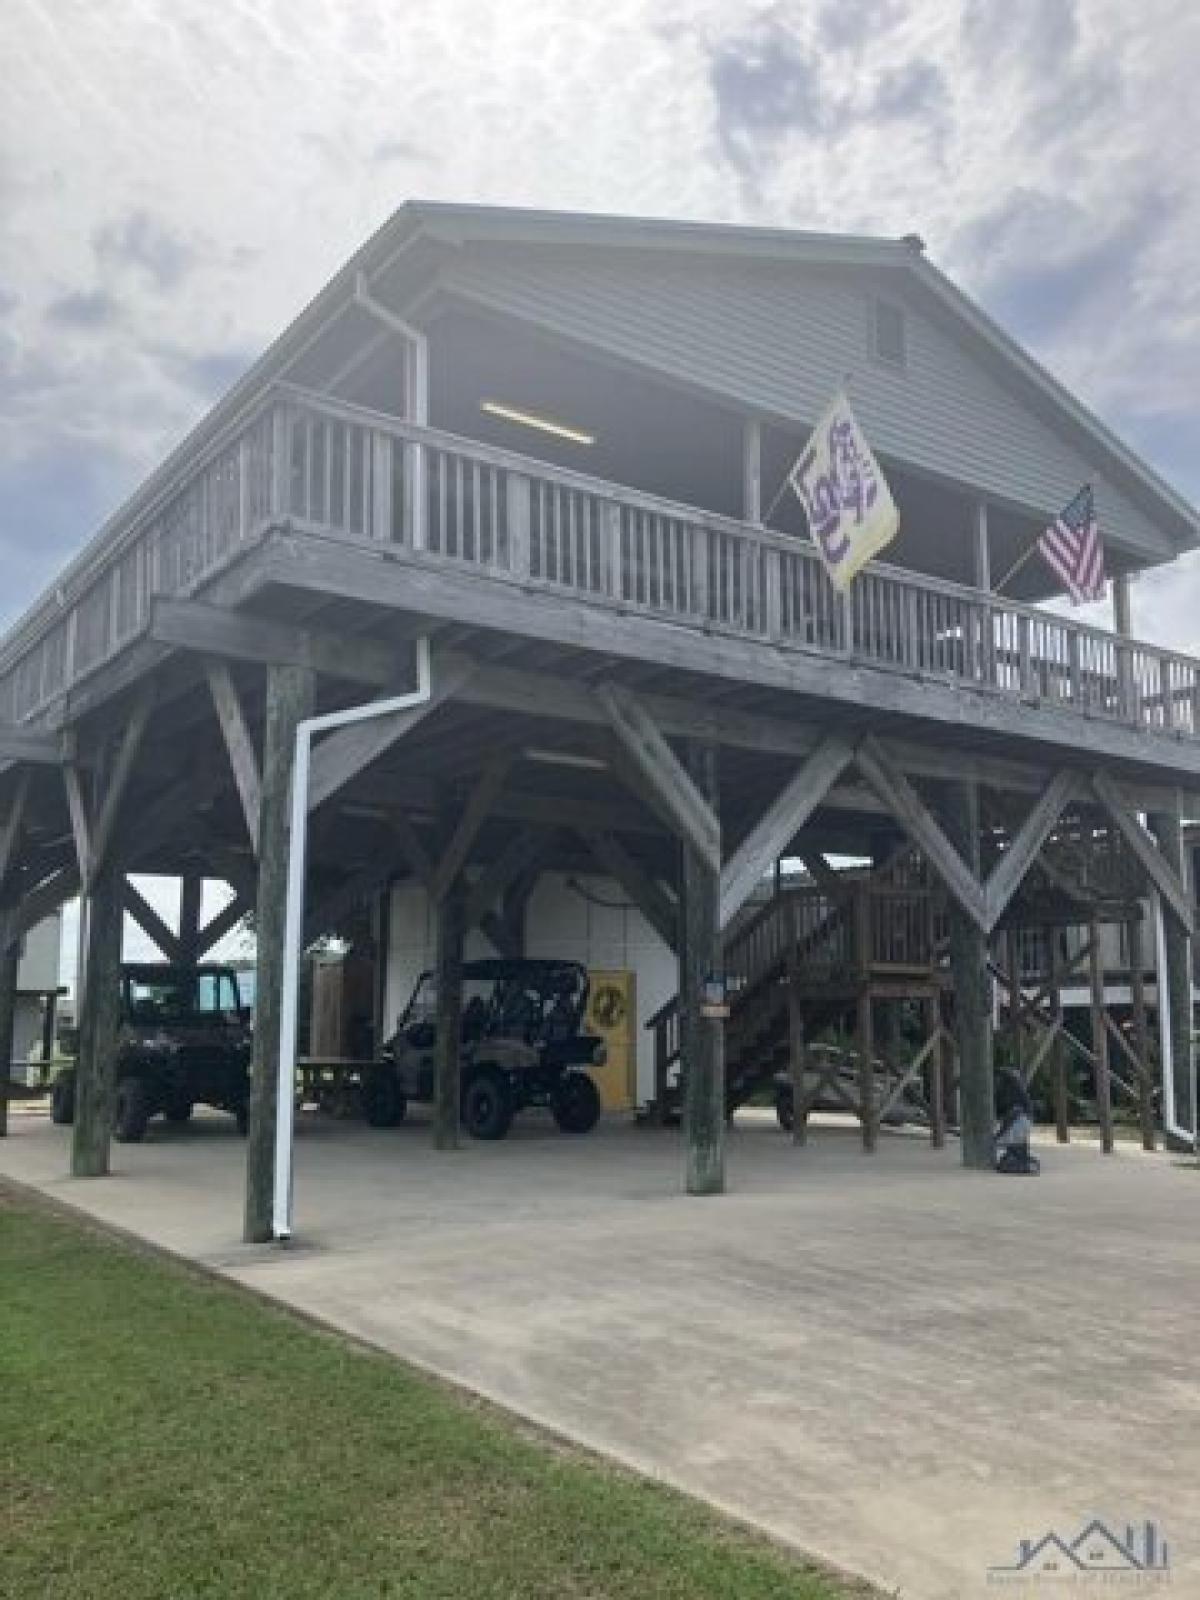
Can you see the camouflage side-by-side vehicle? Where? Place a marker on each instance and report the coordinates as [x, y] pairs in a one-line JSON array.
[[184, 1040], [522, 1045]]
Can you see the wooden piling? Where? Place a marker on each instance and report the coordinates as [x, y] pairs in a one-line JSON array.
[[291, 692], [936, 1083], [1103, 1082], [1058, 1053], [795, 1036], [447, 1068], [1141, 1031], [99, 1022], [865, 1020], [10, 960], [704, 1039], [972, 996]]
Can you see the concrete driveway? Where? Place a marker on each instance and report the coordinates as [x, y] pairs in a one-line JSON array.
[[901, 1367]]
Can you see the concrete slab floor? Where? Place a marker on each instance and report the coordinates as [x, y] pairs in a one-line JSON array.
[[899, 1366]]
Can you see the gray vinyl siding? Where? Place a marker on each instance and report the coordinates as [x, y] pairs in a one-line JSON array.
[[778, 339]]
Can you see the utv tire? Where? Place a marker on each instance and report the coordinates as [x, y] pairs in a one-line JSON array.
[[383, 1101], [785, 1109], [575, 1103], [178, 1109], [62, 1100], [487, 1110], [131, 1112]]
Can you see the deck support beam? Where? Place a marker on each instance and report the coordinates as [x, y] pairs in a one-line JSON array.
[[702, 1038], [224, 922], [780, 823], [291, 692], [969, 973], [1163, 866], [240, 746], [343, 754], [151, 924], [501, 881], [1026, 844], [191, 894], [958, 870], [659, 910], [692, 813]]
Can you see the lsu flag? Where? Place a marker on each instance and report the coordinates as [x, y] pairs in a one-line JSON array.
[[850, 510]]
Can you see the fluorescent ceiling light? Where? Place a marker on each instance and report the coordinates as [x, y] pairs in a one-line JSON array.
[[530, 419], [566, 758]]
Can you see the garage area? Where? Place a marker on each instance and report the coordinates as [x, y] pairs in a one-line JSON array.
[[893, 1363]]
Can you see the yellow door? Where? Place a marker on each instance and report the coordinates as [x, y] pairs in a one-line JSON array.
[[612, 1016]]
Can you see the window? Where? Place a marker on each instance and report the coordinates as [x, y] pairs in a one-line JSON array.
[[888, 341]]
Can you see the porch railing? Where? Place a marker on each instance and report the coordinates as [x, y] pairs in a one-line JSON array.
[[337, 471]]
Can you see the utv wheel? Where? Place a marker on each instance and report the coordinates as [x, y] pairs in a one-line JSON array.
[[575, 1103], [62, 1100], [383, 1101], [487, 1110], [178, 1109], [785, 1109], [132, 1111]]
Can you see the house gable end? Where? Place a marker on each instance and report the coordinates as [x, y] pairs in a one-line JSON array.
[[778, 337]]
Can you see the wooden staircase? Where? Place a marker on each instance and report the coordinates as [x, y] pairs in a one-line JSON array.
[[827, 941]]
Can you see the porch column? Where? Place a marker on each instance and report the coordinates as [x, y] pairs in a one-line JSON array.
[[972, 989], [447, 1066], [99, 1021], [981, 549], [752, 470], [1122, 606], [1167, 827], [10, 960], [291, 691], [702, 1038]]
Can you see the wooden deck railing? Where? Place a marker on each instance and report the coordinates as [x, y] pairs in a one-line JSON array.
[[337, 471], [822, 929]]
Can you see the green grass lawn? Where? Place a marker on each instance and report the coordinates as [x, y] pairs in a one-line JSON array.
[[164, 1435]]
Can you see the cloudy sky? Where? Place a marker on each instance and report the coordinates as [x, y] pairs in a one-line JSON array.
[[178, 177]]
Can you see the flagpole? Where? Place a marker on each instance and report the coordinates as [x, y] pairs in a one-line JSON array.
[[1015, 568], [847, 378]]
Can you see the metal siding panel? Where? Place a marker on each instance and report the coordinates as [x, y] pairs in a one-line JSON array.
[[780, 339]]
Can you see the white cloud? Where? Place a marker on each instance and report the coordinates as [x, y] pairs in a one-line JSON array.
[[178, 178]]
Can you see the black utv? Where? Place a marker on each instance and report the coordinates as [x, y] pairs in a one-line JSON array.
[[184, 1040], [522, 1044]]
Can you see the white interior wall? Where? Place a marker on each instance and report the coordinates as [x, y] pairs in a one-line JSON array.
[[38, 970], [598, 928]]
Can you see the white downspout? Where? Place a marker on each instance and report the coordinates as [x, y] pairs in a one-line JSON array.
[[293, 921], [1166, 1043]]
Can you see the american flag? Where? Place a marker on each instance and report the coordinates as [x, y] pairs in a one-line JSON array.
[[1072, 549]]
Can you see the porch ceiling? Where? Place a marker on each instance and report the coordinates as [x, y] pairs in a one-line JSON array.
[[662, 437]]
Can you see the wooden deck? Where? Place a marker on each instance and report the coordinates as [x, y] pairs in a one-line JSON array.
[[325, 471]]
